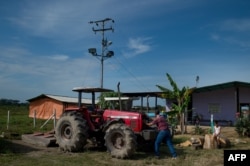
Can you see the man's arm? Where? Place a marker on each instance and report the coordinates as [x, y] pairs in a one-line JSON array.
[[152, 123]]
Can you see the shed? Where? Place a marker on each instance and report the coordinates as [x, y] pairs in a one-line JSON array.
[[223, 100], [44, 105]]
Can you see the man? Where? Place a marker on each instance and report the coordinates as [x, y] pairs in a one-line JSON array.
[[164, 132]]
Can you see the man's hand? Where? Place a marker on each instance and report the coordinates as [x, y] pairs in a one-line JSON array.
[[149, 124]]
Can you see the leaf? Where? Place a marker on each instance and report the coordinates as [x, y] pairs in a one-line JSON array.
[[167, 93], [172, 113], [182, 96]]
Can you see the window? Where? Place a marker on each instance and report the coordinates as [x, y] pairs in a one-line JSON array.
[[245, 109], [214, 108]]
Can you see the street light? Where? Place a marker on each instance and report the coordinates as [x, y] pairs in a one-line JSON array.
[[105, 55], [92, 51], [105, 43]]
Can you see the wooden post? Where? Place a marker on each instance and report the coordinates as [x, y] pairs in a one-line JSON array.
[[185, 121], [8, 120], [212, 123], [34, 119], [54, 118], [148, 104], [119, 95], [47, 120]]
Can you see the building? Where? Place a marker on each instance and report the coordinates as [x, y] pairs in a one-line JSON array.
[[44, 106], [224, 101]]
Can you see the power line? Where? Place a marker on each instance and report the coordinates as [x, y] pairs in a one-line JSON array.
[[139, 82]]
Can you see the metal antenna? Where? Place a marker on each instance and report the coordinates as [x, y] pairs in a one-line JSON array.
[[197, 81]]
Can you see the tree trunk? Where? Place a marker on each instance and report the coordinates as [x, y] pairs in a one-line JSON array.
[[185, 122], [182, 123]]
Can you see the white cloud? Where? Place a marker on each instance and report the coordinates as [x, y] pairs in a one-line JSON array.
[[137, 46], [34, 74], [54, 35], [238, 41], [60, 57], [63, 19], [233, 31], [13, 52], [69, 19], [215, 37], [237, 25]]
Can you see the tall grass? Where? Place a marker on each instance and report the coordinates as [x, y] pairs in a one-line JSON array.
[[19, 122]]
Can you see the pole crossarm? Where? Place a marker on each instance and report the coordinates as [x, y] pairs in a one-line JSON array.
[[104, 20], [102, 30]]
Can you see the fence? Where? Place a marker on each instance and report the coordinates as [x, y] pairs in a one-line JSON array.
[[17, 120], [53, 116]]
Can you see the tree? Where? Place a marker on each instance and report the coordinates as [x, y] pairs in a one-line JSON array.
[[105, 104], [181, 96], [9, 102]]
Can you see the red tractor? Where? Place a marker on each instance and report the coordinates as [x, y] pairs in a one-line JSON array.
[[122, 132]]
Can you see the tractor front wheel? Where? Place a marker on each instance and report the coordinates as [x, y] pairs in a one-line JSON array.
[[71, 132], [120, 141]]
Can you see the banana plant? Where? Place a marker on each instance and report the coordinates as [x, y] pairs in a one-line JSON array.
[[181, 98]]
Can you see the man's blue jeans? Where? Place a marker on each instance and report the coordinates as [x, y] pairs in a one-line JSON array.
[[164, 134]]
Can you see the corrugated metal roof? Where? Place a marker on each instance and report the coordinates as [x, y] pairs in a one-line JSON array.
[[222, 86], [91, 89], [69, 99], [142, 94], [64, 99], [120, 98]]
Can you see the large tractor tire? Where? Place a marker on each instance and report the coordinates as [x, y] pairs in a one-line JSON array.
[[71, 132], [120, 141]]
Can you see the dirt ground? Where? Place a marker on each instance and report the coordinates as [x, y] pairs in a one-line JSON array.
[[28, 154], [20, 146]]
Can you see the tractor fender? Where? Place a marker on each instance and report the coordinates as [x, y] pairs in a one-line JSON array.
[[111, 122]]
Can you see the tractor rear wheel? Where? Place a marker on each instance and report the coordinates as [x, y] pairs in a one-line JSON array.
[[120, 141], [71, 132]]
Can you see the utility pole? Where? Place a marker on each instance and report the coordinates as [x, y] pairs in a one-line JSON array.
[[105, 54]]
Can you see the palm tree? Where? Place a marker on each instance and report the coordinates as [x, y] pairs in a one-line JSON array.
[[181, 96]]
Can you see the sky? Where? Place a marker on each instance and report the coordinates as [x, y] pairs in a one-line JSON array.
[[44, 45]]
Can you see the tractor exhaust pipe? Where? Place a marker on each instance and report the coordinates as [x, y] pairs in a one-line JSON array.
[[119, 95]]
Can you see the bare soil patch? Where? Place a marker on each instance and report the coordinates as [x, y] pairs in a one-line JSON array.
[[19, 146], [28, 154]]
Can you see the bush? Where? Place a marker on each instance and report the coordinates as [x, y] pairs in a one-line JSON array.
[[198, 130], [209, 131], [242, 127]]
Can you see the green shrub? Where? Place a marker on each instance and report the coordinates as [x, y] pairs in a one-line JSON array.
[[209, 131], [242, 127], [198, 130]]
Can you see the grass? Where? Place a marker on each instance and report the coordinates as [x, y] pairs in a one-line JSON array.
[[187, 157], [19, 122], [12, 153]]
